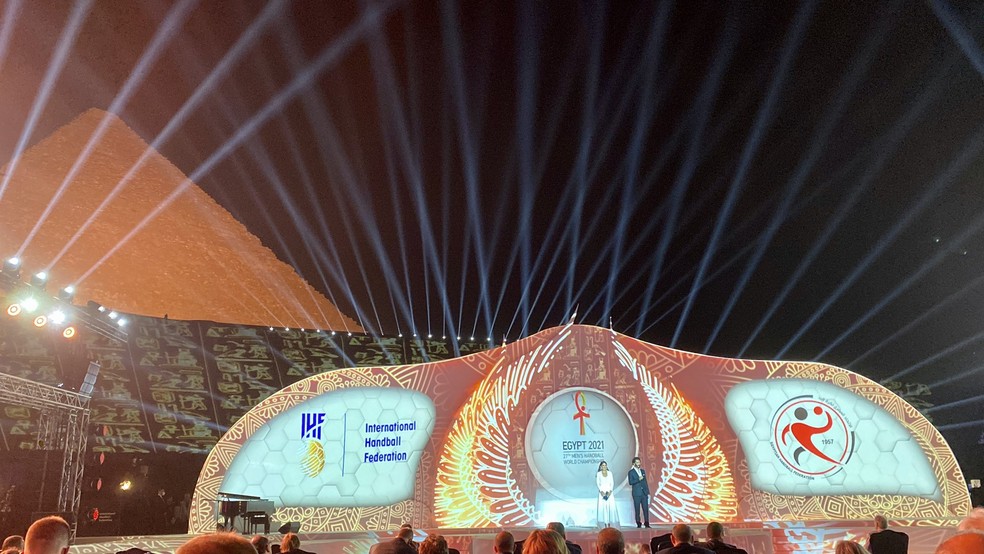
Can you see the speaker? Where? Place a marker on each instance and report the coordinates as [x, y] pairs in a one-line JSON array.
[[290, 527]]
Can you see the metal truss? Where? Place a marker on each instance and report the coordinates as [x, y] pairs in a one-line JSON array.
[[62, 425]]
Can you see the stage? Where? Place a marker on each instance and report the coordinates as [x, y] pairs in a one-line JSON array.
[[763, 538]]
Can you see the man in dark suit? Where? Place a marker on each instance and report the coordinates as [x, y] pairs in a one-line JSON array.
[[682, 537], [399, 545], [715, 540], [640, 491], [886, 541]]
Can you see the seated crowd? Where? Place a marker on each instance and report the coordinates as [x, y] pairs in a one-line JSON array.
[[50, 535]]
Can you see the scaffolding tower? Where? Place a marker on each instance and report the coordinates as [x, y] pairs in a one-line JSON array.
[[62, 425]]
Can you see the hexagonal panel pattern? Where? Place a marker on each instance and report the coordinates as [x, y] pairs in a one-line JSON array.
[[363, 445], [804, 437]]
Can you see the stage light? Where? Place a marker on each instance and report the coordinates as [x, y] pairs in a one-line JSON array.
[[471, 338], [333, 333], [11, 266], [14, 310], [69, 332], [350, 333], [39, 280], [400, 335], [430, 336], [319, 330], [271, 328], [29, 304], [457, 338], [57, 317], [113, 315], [67, 294], [302, 329], [286, 328], [121, 322], [125, 485], [41, 321]]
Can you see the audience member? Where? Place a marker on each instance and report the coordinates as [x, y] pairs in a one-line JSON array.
[[973, 522], [398, 545], [963, 543], [849, 547], [413, 544], [503, 543], [261, 544], [661, 542], [559, 528], [13, 541], [887, 541], [217, 543], [715, 540], [434, 544], [291, 543], [682, 537], [48, 535], [610, 541], [544, 541], [969, 539]]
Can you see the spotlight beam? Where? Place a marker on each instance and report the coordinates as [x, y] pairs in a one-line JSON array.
[[387, 87], [652, 60], [71, 31], [930, 264], [950, 405], [328, 57], [889, 142], [454, 63], [818, 141], [806, 202], [577, 183], [228, 61], [957, 377], [942, 353], [935, 309], [961, 425], [959, 33], [165, 32], [957, 165], [11, 13], [762, 121]]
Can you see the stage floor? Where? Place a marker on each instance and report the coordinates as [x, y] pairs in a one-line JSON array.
[[757, 538]]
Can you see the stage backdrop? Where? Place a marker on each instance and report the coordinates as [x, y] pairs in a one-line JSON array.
[[513, 437]]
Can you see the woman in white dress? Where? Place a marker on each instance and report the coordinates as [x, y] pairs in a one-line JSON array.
[[607, 513]]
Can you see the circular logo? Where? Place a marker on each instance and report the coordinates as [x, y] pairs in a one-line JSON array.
[[571, 433], [811, 437]]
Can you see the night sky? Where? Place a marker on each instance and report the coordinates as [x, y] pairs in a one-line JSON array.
[[794, 181]]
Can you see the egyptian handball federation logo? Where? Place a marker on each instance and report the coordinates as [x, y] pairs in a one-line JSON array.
[[812, 437], [313, 454], [581, 409]]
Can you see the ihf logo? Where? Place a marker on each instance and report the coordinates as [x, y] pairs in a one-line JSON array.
[[313, 453], [311, 425]]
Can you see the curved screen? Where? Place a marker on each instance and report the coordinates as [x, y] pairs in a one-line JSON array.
[[515, 436]]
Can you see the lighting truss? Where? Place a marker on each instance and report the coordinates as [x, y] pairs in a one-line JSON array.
[[62, 424]]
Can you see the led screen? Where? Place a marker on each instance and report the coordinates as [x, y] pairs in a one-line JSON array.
[[514, 436]]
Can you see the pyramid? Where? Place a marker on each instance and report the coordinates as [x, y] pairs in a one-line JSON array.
[[194, 261]]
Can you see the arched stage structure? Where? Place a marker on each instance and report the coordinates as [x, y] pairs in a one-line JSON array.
[[512, 437]]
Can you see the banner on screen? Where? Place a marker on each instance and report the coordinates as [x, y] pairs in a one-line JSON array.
[[514, 437]]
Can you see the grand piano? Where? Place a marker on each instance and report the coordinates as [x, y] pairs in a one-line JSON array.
[[252, 509]]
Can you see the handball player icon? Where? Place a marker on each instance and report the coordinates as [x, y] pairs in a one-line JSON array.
[[804, 433]]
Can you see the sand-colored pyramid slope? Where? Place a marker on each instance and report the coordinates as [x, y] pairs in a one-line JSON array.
[[193, 261]]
